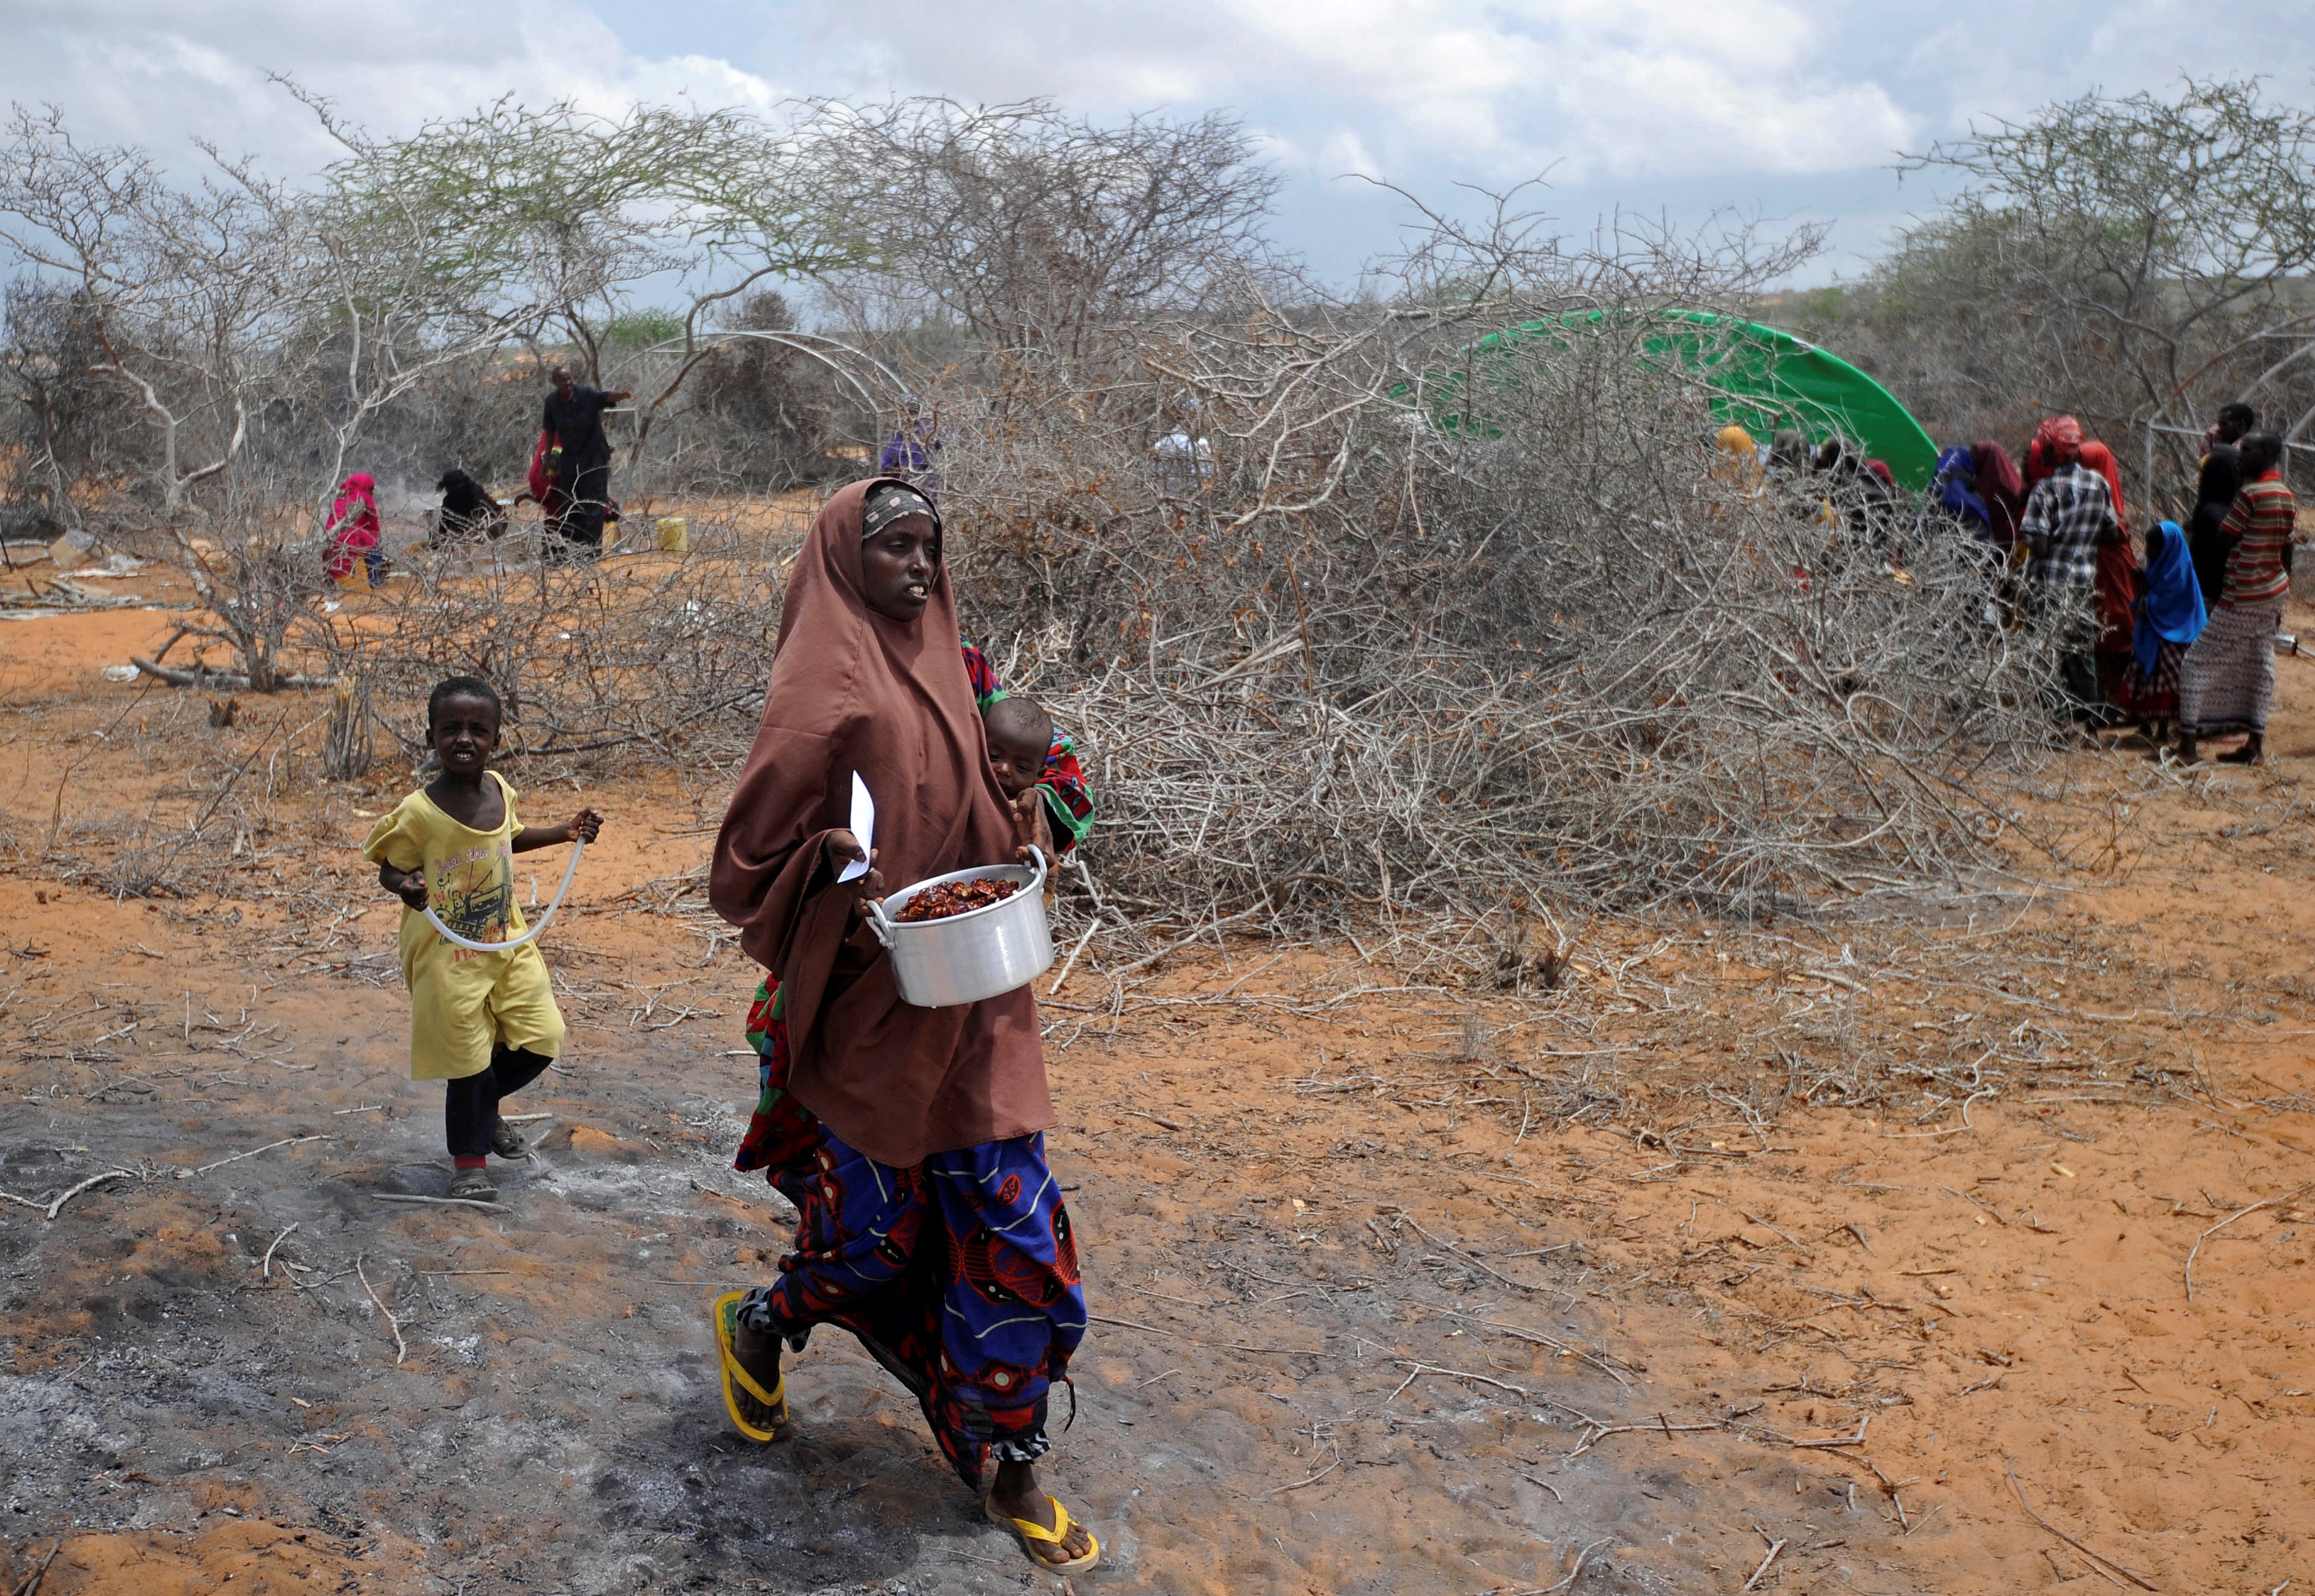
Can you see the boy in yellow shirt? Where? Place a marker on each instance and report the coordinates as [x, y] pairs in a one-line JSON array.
[[484, 1023]]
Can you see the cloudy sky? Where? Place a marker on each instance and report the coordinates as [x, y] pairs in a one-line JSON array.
[[1783, 109]]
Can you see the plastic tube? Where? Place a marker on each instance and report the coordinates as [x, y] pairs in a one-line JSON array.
[[578, 847]]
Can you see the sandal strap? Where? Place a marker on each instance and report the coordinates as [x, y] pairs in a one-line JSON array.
[[1036, 1531], [747, 1382], [726, 1315]]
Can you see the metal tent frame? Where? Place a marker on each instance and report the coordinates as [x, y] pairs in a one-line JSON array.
[[2167, 421], [856, 367]]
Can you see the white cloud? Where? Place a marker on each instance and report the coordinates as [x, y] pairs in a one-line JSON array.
[[1508, 88], [1665, 85], [1345, 151], [1794, 106], [162, 74]]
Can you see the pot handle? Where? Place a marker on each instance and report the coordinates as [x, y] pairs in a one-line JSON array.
[[877, 922], [1037, 881]]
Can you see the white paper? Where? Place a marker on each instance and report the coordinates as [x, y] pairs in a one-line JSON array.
[[864, 826]]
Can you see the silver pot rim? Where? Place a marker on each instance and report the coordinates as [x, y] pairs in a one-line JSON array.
[[880, 911]]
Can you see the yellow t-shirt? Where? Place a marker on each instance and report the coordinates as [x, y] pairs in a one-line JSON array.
[[469, 873], [464, 1002]]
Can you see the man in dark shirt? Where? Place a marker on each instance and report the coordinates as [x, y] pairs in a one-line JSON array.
[[583, 474], [2235, 420]]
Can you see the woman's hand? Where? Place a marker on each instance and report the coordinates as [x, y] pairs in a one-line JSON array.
[[585, 826], [1031, 827], [842, 848]]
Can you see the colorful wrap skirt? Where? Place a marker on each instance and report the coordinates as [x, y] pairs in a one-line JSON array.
[[2226, 683], [2153, 697], [959, 1275]]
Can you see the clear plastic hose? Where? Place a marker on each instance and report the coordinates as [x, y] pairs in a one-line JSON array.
[[578, 847]]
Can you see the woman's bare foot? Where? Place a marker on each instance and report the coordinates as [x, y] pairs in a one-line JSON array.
[[2253, 752], [1018, 1495], [758, 1355]]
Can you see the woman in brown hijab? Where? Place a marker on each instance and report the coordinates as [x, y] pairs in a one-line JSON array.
[[2001, 489], [909, 1139]]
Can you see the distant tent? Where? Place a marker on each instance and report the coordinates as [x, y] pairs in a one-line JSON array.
[[1761, 379]]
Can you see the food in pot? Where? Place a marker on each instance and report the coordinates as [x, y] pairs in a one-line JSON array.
[[950, 898]]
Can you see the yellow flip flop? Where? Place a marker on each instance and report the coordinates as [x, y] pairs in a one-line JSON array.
[[1029, 1529], [757, 1414]]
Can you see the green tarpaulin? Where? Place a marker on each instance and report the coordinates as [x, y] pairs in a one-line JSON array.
[[1761, 379]]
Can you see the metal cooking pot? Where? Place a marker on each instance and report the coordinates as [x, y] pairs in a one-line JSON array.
[[977, 954]]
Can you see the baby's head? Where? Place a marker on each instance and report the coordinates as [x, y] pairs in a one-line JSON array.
[[1020, 734]]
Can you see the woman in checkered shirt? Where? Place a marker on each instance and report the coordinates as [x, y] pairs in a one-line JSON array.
[[2068, 515]]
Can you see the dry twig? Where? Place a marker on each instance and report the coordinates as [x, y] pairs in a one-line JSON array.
[[95, 1180], [30, 1585], [446, 1201], [2099, 1560], [251, 1153], [2222, 1224], [401, 1348], [265, 1267], [1761, 1572]]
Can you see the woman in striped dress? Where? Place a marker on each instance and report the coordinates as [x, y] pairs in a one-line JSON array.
[[2226, 683]]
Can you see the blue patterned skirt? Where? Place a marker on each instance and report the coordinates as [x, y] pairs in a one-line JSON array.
[[959, 1274]]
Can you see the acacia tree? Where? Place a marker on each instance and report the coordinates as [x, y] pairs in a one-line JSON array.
[[263, 328], [208, 301], [255, 326], [2105, 256], [184, 288], [66, 419], [187, 298], [563, 217], [1033, 228]]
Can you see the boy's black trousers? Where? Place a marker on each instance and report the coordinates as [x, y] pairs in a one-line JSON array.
[[470, 1112]]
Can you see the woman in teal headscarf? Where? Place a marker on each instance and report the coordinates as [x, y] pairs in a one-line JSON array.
[[2170, 614]]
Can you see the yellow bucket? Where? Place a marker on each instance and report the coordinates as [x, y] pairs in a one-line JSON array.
[[674, 534]]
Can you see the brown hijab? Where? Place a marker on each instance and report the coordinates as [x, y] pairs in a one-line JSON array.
[[2001, 489], [853, 690]]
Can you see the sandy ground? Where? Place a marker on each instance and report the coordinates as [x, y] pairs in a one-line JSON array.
[[1673, 1279]]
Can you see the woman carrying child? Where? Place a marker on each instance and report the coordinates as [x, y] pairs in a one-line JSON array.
[[486, 1022], [1026, 751], [909, 1139]]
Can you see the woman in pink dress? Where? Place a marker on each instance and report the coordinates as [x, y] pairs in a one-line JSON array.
[[353, 535]]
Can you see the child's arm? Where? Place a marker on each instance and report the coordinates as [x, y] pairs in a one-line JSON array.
[[1069, 808], [586, 824], [986, 688], [390, 836], [1032, 826], [409, 885]]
